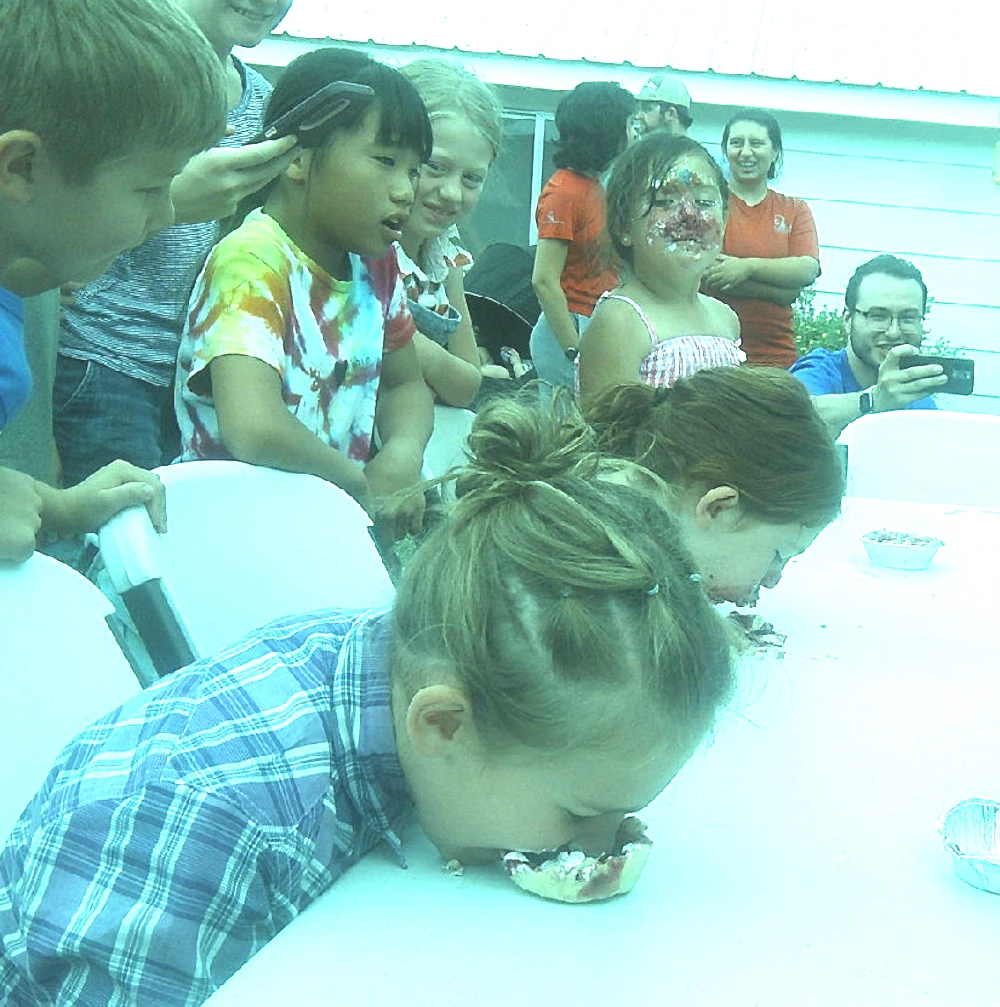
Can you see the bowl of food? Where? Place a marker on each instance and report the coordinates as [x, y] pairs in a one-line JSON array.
[[572, 876], [971, 834], [900, 550]]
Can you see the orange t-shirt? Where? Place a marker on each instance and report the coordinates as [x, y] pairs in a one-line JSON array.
[[572, 208], [778, 227]]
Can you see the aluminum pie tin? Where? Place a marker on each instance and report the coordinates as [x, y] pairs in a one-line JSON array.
[[971, 834], [900, 550]]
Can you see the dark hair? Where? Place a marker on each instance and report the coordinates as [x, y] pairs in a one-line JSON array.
[[633, 174], [403, 119], [579, 623], [591, 121], [768, 121], [752, 428], [684, 116], [888, 265]]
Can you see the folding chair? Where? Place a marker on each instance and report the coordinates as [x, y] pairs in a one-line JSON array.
[[925, 456], [60, 669], [245, 545]]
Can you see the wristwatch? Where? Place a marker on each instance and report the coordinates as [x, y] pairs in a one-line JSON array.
[[572, 352], [866, 401]]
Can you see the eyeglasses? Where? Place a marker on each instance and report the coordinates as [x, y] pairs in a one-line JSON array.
[[880, 319]]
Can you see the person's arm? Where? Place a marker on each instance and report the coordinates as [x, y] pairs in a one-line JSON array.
[[757, 291], [729, 274], [612, 349], [463, 340], [550, 258], [896, 388], [256, 426], [29, 507], [178, 893], [455, 381], [212, 183], [88, 505], [404, 415], [20, 515]]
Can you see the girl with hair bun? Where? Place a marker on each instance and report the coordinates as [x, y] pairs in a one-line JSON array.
[[465, 116], [518, 702], [753, 475]]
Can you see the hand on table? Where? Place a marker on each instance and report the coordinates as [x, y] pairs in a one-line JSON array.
[[897, 387]]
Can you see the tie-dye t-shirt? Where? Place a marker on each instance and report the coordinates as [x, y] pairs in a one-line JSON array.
[[259, 295]]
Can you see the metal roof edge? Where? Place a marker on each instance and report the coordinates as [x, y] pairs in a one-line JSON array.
[[713, 88]]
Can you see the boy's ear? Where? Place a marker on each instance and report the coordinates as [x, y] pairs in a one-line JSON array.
[[438, 718], [719, 505], [19, 153], [298, 170]]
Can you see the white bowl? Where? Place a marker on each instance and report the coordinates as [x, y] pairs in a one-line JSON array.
[[900, 550]]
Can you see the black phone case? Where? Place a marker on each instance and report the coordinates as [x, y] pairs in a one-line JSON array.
[[961, 373]]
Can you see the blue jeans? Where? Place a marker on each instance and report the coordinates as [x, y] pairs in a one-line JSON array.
[[549, 358], [99, 415]]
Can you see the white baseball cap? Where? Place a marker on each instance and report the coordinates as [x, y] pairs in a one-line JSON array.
[[665, 88]]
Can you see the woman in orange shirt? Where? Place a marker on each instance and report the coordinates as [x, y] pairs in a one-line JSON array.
[[572, 262], [770, 251]]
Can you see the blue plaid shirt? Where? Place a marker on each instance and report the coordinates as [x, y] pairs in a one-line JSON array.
[[180, 833]]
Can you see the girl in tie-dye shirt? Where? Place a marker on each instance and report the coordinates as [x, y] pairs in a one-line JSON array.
[[297, 348]]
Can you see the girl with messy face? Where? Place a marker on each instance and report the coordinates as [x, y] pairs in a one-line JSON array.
[[666, 219]]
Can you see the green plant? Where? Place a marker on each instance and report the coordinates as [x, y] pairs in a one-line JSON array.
[[816, 328], [819, 328]]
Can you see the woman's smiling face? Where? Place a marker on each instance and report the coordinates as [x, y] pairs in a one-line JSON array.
[[750, 151]]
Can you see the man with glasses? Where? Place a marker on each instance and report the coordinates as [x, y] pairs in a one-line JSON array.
[[885, 304]]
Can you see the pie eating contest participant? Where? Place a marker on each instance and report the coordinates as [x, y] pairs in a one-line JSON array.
[[525, 701], [754, 475], [666, 215]]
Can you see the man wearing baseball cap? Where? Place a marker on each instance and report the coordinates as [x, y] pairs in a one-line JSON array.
[[663, 102]]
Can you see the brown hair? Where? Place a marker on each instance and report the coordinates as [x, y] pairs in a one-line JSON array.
[[752, 428], [99, 79], [557, 594]]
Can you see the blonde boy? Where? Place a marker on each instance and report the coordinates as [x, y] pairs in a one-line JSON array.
[[102, 103]]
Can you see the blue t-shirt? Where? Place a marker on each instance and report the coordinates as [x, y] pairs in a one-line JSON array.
[[828, 372], [15, 376]]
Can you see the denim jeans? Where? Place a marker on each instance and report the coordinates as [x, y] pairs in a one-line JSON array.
[[99, 415], [551, 366]]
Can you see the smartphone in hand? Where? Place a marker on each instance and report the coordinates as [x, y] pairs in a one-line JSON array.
[[961, 373], [319, 108]]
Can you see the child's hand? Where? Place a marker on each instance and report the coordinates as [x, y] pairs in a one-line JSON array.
[[20, 515], [214, 182], [115, 487], [397, 505]]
